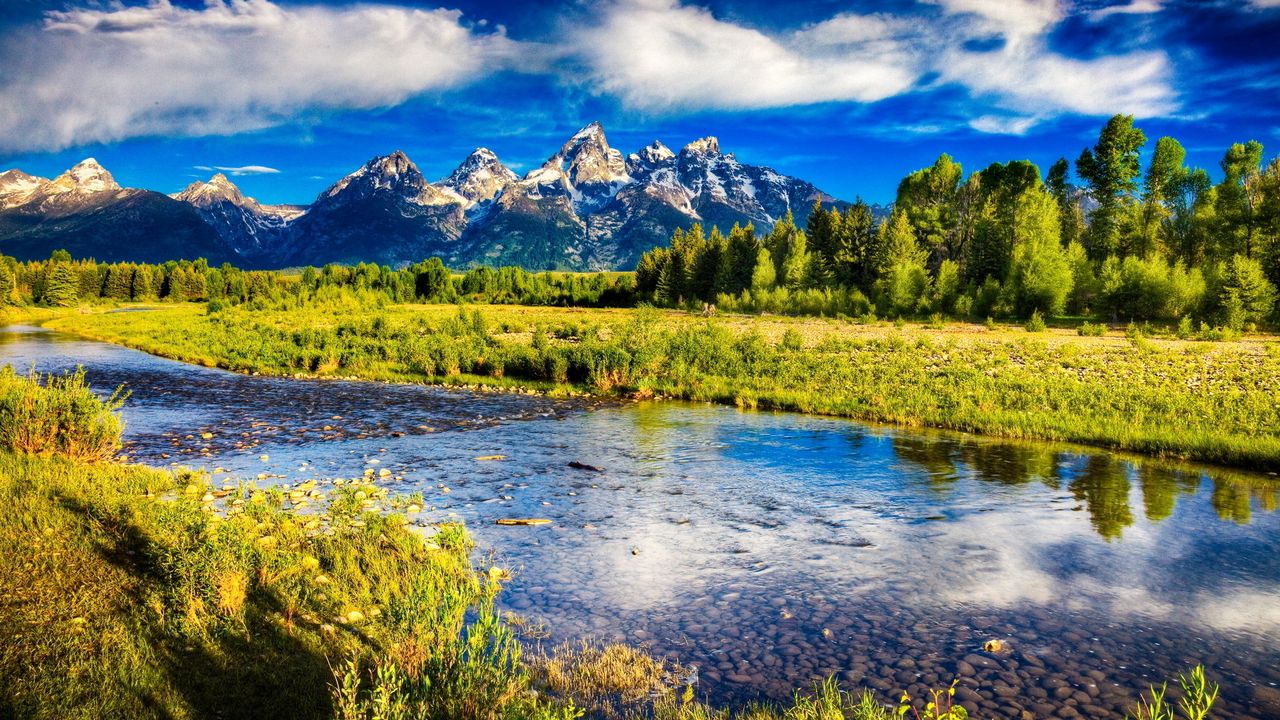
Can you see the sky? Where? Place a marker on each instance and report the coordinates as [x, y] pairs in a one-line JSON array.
[[286, 96]]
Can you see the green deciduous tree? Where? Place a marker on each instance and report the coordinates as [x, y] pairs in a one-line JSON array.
[[1111, 169], [1040, 271]]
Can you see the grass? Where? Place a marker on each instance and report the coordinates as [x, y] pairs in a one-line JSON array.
[[1174, 398]]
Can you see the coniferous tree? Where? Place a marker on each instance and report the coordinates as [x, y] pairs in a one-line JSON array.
[[857, 254], [903, 279], [62, 289]]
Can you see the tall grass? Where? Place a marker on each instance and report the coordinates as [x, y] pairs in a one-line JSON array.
[[43, 415]]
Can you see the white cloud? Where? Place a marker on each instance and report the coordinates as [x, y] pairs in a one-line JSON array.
[[248, 170], [663, 55], [1014, 18], [999, 125], [92, 75], [1133, 7], [658, 54], [1025, 76]]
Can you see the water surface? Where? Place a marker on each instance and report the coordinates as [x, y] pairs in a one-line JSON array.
[[772, 549]]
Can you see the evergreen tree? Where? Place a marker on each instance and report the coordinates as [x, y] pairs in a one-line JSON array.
[[142, 286], [1111, 169], [705, 278], [739, 260], [8, 285], [62, 289], [1245, 294], [903, 279], [857, 253]]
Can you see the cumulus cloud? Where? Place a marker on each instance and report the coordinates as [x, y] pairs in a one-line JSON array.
[[100, 75], [659, 54], [664, 55]]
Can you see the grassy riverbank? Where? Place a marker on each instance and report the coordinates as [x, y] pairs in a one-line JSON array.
[[1209, 401]]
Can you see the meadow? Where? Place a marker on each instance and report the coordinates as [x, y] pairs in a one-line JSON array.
[[1127, 388]]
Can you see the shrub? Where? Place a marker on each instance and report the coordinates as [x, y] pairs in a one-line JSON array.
[[1035, 323], [58, 414], [1088, 329]]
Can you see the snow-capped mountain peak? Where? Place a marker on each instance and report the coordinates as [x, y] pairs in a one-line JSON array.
[[86, 176], [17, 187], [217, 189], [593, 172], [704, 146], [479, 178]]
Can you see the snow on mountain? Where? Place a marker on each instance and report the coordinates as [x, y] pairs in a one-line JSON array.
[[17, 187], [479, 178], [85, 177], [587, 206]]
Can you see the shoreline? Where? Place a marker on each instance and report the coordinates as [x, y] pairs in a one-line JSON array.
[[1230, 451]]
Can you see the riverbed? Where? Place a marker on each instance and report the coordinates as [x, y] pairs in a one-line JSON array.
[[769, 549]]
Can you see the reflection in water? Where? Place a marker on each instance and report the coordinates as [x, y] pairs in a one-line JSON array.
[[771, 549]]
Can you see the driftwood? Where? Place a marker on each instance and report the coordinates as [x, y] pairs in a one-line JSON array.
[[523, 521]]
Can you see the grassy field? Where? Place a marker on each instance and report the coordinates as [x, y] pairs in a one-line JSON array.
[[1209, 401]]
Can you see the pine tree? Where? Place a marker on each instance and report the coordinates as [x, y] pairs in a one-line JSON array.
[[62, 289], [903, 279]]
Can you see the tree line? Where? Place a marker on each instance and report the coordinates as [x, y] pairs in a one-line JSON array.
[[62, 281], [1164, 243]]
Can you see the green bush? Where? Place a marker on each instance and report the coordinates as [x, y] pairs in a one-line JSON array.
[[1088, 329], [1035, 323], [58, 414]]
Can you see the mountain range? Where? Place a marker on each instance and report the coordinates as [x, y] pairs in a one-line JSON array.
[[588, 207]]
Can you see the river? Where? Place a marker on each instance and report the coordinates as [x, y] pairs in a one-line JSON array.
[[772, 549]]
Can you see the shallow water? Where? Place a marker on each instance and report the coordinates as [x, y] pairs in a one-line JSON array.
[[772, 549]]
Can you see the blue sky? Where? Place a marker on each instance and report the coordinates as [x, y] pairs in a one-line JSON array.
[[850, 95]]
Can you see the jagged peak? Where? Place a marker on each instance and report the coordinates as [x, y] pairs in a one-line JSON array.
[[86, 176], [480, 177], [397, 163], [703, 146], [654, 153], [216, 189]]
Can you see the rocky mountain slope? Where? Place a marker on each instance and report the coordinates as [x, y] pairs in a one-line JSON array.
[[87, 213], [588, 207]]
